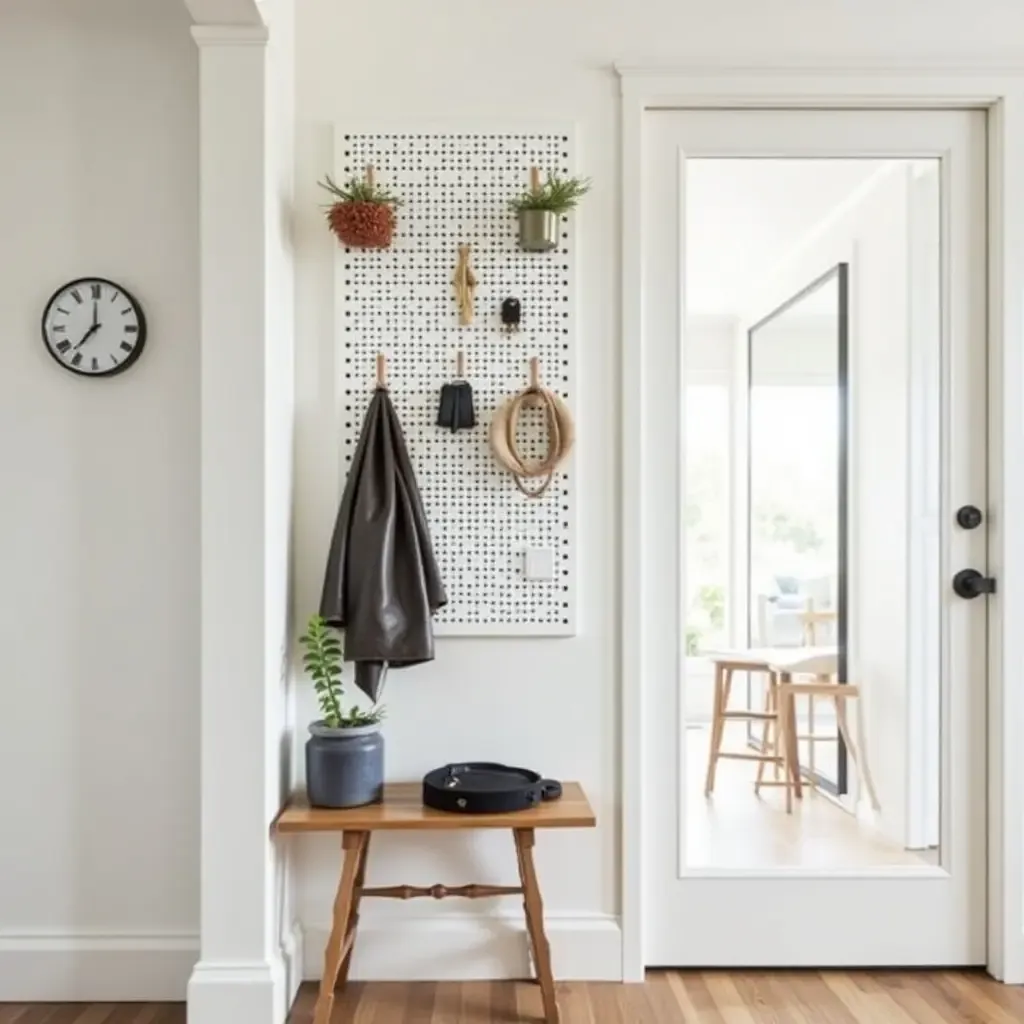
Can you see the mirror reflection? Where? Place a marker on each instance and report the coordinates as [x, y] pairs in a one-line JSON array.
[[796, 503], [813, 297]]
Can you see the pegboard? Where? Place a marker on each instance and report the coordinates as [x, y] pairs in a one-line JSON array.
[[455, 189]]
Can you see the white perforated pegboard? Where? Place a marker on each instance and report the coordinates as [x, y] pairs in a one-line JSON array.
[[401, 302]]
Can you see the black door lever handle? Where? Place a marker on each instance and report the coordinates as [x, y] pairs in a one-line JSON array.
[[971, 583]]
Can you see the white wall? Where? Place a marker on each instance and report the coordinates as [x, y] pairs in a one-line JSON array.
[[881, 591], [409, 61], [740, 214], [99, 527]]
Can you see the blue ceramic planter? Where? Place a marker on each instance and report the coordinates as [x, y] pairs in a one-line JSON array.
[[344, 767]]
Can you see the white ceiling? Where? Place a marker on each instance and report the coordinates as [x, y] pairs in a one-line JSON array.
[[743, 216]]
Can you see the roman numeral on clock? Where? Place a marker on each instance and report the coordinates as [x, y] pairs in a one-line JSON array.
[[126, 346], [76, 359], [95, 289], [63, 346]]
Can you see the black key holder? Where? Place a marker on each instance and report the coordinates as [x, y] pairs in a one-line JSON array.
[[511, 315]]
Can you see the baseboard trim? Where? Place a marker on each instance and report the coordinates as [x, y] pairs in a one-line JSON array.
[[472, 947], [95, 966], [292, 963], [237, 992]]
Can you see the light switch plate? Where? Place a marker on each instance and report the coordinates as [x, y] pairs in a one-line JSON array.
[[539, 564]]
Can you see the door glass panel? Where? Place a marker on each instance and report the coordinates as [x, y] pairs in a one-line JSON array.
[[812, 366]]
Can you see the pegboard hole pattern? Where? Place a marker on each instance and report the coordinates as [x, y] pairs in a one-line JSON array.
[[455, 190]]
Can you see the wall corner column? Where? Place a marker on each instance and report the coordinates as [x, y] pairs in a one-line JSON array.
[[239, 978]]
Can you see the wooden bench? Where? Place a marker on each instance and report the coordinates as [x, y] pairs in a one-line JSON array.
[[402, 810]]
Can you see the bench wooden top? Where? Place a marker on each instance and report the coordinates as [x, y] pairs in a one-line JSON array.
[[403, 808]]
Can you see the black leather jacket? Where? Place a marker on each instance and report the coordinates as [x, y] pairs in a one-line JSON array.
[[382, 584]]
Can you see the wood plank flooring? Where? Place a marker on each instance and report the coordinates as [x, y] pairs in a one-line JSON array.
[[92, 1013], [668, 997]]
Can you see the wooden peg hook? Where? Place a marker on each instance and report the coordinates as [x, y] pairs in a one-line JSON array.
[[460, 363], [371, 175], [464, 282], [535, 179], [382, 370], [533, 400]]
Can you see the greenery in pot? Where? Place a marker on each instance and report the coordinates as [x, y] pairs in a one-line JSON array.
[[556, 195], [362, 213], [323, 662]]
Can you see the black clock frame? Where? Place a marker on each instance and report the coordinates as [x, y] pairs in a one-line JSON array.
[[133, 356]]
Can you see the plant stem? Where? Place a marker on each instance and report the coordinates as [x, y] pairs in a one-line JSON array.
[[330, 684]]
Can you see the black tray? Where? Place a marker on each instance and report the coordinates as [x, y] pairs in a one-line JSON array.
[[480, 787]]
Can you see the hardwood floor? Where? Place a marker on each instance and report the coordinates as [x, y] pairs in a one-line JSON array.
[[92, 1013], [736, 829], [668, 997]]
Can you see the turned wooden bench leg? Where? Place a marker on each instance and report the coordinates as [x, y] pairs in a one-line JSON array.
[[534, 909], [339, 945]]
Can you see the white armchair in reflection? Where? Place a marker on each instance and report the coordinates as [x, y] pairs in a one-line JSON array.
[[796, 612]]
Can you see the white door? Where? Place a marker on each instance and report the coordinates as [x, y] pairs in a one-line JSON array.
[[815, 295]]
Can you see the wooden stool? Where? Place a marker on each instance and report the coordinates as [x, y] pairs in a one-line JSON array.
[[724, 669], [402, 810], [839, 694]]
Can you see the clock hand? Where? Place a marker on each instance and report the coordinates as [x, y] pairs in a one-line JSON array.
[[95, 314], [88, 334]]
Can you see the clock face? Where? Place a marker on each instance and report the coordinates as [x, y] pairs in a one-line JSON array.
[[94, 327]]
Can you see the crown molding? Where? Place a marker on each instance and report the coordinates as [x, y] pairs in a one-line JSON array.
[[989, 64]]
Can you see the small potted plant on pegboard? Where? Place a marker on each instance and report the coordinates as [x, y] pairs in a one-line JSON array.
[[540, 208], [345, 750], [362, 214]]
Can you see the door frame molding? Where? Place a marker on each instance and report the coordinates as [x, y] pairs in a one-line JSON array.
[[880, 85]]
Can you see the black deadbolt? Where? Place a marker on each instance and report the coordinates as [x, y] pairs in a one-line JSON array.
[[969, 517], [971, 583]]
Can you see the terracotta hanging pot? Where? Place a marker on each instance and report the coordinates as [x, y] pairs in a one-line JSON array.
[[363, 214], [363, 225]]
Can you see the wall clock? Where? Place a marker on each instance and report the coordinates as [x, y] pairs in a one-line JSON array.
[[94, 327]]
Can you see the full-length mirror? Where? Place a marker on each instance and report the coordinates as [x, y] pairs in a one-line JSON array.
[[797, 498], [813, 620]]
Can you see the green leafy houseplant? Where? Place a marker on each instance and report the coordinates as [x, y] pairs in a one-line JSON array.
[[556, 195], [322, 660], [362, 213]]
